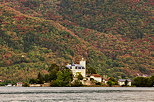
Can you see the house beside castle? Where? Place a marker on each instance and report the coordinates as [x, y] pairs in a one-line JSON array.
[[78, 68], [122, 82], [96, 77]]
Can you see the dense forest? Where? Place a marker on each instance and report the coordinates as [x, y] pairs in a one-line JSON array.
[[114, 36]]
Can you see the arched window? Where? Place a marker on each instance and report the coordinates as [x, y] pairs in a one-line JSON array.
[[83, 68]]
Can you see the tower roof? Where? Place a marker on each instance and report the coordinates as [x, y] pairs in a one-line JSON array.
[[82, 59]]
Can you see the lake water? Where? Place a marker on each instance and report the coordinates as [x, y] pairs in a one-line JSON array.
[[76, 94]]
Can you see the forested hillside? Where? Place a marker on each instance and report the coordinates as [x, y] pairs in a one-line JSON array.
[[126, 17], [30, 43], [115, 36]]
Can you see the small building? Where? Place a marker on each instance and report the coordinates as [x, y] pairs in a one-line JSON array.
[[9, 85], [46, 85], [19, 84], [105, 80], [96, 77], [122, 82], [78, 68], [1, 81], [35, 85]]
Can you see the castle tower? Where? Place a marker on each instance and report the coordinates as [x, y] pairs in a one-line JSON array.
[[83, 63]]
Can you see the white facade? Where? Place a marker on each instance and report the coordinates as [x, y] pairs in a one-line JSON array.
[[19, 84], [83, 63], [98, 78], [121, 82], [78, 68]]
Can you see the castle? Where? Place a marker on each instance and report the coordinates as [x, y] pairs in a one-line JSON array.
[[78, 68]]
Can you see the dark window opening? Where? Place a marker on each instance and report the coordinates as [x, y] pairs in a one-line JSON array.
[[79, 68]]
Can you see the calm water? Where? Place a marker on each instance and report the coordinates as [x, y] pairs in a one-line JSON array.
[[76, 94]]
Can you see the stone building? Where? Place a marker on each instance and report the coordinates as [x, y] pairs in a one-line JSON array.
[[78, 68]]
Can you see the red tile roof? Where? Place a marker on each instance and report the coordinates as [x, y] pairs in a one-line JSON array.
[[96, 75]]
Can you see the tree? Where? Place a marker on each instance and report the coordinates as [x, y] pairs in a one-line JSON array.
[[29, 40], [91, 70], [46, 78], [142, 82], [114, 80], [110, 83], [68, 76], [152, 80], [25, 84], [53, 75], [53, 70], [64, 78], [53, 67], [79, 76], [126, 82], [77, 83], [40, 78], [33, 81]]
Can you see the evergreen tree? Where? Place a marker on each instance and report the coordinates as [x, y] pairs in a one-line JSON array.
[[40, 78], [126, 82]]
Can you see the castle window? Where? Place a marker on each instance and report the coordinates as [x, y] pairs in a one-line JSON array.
[[83, 68], [70, 67], [76, 68], [79, 68]]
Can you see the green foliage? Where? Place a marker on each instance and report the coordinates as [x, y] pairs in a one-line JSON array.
[[91, 70], [64, 78], [25, 84], [28, 28], [152, 80], [40, 78], [53, 67], [52, 75], [79, 76], [76, 83], [33, 81], [28, 40], [110, 83], [114, 80], [143, 81], [56, 77], [31, 3], [108, 17], [3, 83]]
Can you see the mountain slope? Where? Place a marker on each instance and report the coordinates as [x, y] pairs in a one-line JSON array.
[[29, 41], [37, 33], [128, 18]]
